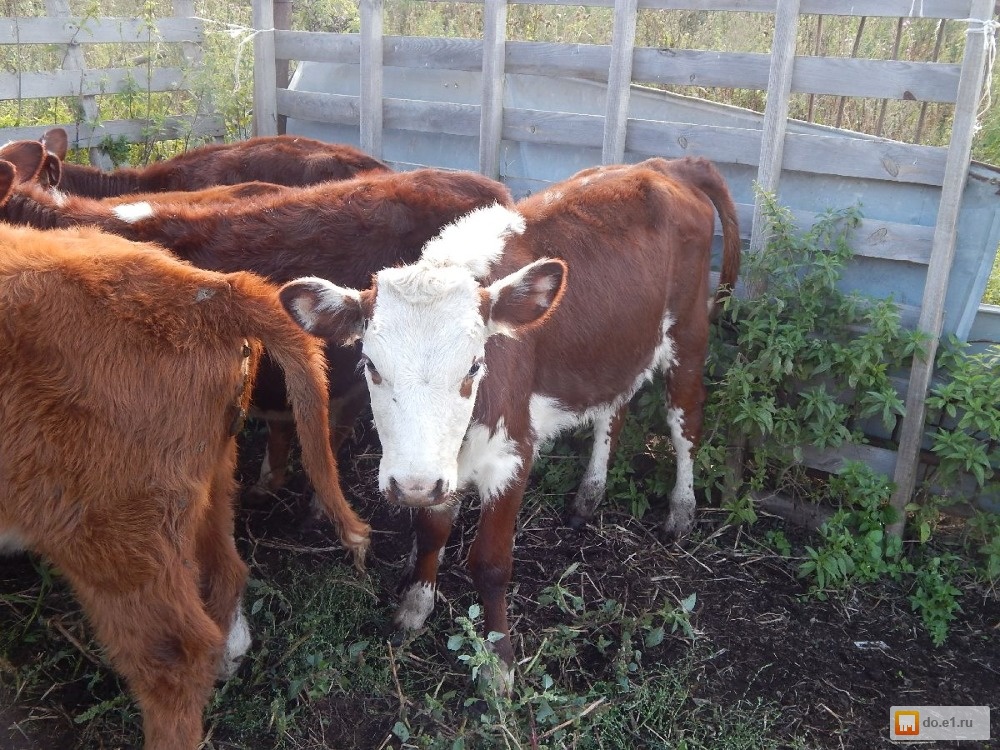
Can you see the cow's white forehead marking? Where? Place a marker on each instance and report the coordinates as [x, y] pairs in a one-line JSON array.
[[474, 241], [130, 213]]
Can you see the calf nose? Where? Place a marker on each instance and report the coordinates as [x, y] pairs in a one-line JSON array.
[[416, 494]]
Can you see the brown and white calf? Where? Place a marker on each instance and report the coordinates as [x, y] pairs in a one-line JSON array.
[[279, 159], [123, 377], [518, 324], [341, 231]]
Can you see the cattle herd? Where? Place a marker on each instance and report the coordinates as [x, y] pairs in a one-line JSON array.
[[143, 311]]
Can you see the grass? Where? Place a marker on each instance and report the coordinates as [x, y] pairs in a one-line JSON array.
[[595, 673]]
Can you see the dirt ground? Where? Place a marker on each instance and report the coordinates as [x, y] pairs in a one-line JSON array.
[[835, 667]]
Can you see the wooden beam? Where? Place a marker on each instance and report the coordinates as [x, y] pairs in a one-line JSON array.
[[942, 252], [779, 86], [491, 119], [265, 107], [371, 77], [619, 81]]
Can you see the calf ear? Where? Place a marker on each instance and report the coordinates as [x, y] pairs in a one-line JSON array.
[[331, 312], [56, 142], [27, 156], [51, 171], [525, 298], [8, 176]]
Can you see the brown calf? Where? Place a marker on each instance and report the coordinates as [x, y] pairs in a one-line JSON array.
[[280, 159], [340, 231], [516, 325], [123, 376]]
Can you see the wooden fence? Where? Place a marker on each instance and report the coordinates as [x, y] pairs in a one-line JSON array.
[[84, 86], [773, 150]]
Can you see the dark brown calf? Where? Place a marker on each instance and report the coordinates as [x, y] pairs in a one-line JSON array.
[[340, 231], [123, 375], [280, 159], [516, 325]]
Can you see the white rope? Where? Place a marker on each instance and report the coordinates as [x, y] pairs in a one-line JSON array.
[[988, 29]]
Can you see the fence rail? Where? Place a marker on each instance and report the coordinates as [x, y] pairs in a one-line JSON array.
[[81, 86]]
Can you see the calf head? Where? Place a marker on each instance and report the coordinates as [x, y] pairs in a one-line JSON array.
[[423, 329]]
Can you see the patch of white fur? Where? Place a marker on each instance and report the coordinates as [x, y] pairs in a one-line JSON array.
[[238, 642], [551, 196], [474, 241], [549, 417], [595, 478], [490, 462], [682, 498], [416, 606], [131, 213], [11, 542], [58, 197]]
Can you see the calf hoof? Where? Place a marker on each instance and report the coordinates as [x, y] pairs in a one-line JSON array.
[[676, 528], [577, 522]]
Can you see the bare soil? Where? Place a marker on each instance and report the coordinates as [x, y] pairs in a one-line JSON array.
[[834, 667]]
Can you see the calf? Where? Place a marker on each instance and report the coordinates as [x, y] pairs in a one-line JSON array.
[[486, 347], [341, 231], [123, 377], [281, 159]]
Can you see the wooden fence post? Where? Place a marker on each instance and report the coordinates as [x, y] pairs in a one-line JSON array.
[[283, 21], [265, 96], [75, 60], [619, 81], [371, 77], [494, 63], [956, 173], [779, 88]]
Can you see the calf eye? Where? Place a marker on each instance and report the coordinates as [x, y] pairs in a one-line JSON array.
[[372, 371], [466, 389]]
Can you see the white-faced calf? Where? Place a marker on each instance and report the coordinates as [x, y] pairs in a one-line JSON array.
[[485, 348]]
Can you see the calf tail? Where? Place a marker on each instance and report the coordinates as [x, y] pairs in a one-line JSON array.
[[300, 356]]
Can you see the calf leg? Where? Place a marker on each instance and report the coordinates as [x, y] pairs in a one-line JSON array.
[[164, 644], [223, 573], [274, 467], [431, 530], [607, 427], [491, 560], [685, 401]]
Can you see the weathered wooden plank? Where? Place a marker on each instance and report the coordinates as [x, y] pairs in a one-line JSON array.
[[943, 252], [86, 83], [83, 135], [371, 76], [265, 109], [434, 117], [491, 120], [833, 154], [619, 78], [76, 30], [775, 112], [879, 79], [310, 105], [885, 8], [812, 75], [317, 46]]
